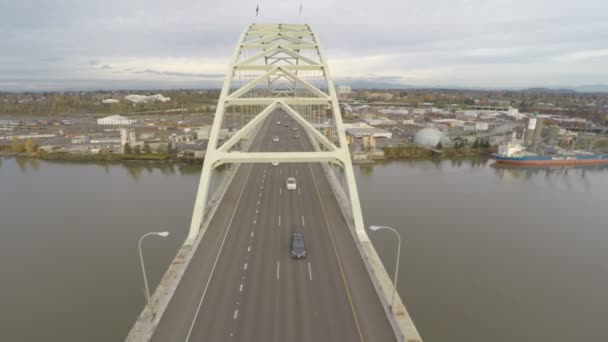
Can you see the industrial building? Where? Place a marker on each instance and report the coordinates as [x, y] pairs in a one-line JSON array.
[[360, 130], [380, 122], [344, 90], [147, 98], [476, 126], [115, 120]]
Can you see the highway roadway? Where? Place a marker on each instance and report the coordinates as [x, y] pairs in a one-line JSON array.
[[242, 284]]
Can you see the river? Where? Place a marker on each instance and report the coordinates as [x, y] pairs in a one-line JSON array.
[[489, 254]]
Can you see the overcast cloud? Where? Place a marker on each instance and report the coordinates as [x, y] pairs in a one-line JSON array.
[[76, 44]]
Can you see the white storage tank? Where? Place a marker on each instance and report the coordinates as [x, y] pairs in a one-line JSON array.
[[429, 136]]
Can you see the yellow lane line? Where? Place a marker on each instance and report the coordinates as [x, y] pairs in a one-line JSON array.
[[331, 237]]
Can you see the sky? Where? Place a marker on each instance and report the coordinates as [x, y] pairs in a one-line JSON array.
[[133, 44]]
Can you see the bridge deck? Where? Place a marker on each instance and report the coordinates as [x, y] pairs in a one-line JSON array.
[[326, 297]]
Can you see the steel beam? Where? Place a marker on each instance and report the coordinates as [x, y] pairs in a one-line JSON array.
[[286, 67], [298, 101], [261, 42], [283, 157]]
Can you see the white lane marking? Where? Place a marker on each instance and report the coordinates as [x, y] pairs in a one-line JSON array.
[[299, 192], [281, 171], [280, 191], [258, 202], [253, 221], [309, 272], [198, 309], [245, 266], [248, 249], [251, 234], [260, 194], [296, 171], [236, 314], [302, 220], [241, 288], [278, 269], [279, 220], [256, 211]]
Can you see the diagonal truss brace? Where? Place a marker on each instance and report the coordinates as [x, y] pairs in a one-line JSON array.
[[338, 155], [276, 36], [273, 50], [258, 119], [288, 74]]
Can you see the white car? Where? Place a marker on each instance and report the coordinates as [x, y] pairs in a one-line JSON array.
[[275, 163], [275, 138], [291, 183], [278, 122]]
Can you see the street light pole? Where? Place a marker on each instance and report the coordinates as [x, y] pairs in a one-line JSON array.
[[375, 228], [143, 267]]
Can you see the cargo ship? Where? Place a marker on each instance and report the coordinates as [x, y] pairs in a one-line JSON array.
[[514, 153]]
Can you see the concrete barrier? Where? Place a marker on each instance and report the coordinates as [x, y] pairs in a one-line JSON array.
[[146, 323]]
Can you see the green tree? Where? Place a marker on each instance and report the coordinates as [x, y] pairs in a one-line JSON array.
[[30, 146], [17, 146], [169, 147], [41, 153], [476, 143], [136, 149], [389, 152], [128, 149], [146, 148]]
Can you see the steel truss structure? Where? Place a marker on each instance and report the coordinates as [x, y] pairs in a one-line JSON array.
[[277, 67]]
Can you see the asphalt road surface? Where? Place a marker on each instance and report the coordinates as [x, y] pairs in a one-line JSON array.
[[243, 285]]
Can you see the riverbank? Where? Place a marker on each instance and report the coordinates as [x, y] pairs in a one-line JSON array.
[[149, 158], [401, 152], [413, 152]]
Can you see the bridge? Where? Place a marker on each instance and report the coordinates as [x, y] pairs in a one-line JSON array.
[[234, 279]]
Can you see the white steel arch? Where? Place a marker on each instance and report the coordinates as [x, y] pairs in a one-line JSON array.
[[278, 67]]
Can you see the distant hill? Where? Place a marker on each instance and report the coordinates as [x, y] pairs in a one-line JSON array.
[[371, 84], [549, 90], [594, 88]]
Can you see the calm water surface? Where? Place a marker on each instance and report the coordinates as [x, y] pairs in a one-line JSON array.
[[489, 254]]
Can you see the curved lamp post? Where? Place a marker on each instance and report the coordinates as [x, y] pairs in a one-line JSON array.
[[143, 267], [375, 228]]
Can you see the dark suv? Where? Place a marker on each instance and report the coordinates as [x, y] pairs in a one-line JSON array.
[[297, 246]]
